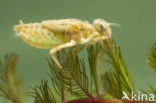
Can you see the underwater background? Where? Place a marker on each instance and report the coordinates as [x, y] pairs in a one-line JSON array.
[[135, 36]]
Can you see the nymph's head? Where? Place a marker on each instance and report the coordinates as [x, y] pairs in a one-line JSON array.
[[102, 27]]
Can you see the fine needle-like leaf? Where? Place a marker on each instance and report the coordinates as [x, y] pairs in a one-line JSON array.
[[93, 53], [73, 76], [43, 93], [10, 87], [118, 78], [151, 56]]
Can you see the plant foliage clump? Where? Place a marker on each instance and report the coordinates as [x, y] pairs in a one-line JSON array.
[[151, 56], [83, 79], [10, 86]]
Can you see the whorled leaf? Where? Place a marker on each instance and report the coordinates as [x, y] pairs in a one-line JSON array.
[[93, 53], [73, 76], [10, 86], [117, 77], [43, 94], [151, 56]]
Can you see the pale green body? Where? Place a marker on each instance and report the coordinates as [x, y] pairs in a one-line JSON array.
[[39, 37]]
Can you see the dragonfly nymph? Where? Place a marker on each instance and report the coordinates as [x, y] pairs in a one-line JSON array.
[[59, 34]]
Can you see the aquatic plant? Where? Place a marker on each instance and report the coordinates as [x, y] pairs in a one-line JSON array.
[[100, 77]]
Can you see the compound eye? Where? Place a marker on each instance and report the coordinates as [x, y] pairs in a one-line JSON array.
[[102, 28]]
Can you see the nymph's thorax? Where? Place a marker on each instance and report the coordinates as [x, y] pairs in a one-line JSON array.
[[73, 29], [78, 31]]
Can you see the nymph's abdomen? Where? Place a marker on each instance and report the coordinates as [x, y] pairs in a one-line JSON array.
[[39, 37]]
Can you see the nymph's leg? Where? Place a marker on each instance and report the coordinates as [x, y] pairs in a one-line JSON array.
[[89, 39], [54, 50], [92, 37]]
